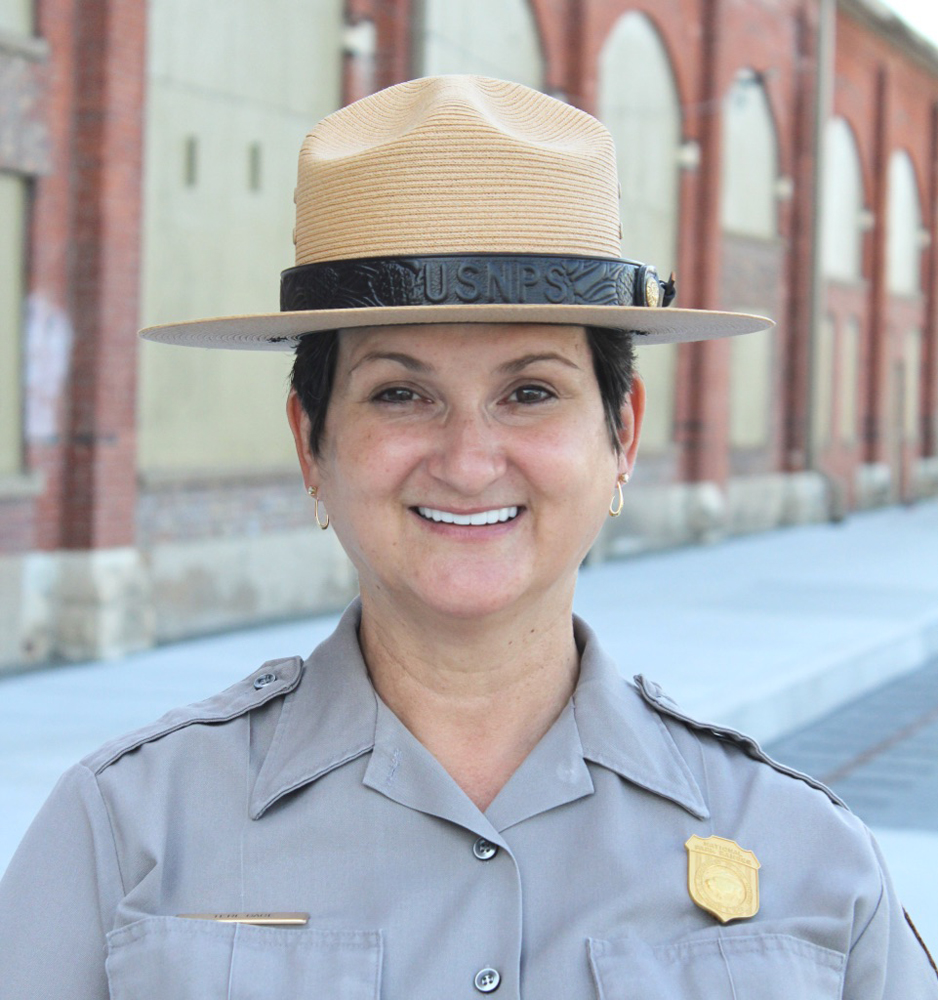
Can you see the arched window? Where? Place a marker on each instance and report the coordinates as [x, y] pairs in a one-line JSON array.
[[750, 161], [489, 37], [749, 218], [638, 103], [230, 97], [903, 240], [841, 205], [13, 211]]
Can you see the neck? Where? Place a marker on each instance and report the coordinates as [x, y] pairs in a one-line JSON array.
[[479, 694]]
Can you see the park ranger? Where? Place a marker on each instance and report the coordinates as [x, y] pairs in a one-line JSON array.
[[457, 793]]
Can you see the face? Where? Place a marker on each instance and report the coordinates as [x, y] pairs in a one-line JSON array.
[[466, 469]]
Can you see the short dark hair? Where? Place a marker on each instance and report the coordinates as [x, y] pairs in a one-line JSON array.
[[314, 363]]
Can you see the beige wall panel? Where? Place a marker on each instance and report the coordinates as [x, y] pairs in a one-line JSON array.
[[849, 380], [903, 247], [224, 78], [750, 389], [487, 37], [913, 371], [750, 162], [16, 16], [638, 103], [12, 263], [842, 203], [657, 366], [823, 387]]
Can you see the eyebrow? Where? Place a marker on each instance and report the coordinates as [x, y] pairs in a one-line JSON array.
[[519, 364], [413, 364], [408, 361]]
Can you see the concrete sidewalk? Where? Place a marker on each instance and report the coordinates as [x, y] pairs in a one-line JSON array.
[[763, 633]]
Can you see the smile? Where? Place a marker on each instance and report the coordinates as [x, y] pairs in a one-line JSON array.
[[497, 515]]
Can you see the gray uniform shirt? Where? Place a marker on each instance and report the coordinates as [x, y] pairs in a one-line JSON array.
[[298, 790]]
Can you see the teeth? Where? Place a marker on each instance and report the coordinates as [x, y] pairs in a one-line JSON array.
[[495, 516]]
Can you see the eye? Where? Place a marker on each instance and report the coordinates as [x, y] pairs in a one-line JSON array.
[[531, 394], [395, 394]]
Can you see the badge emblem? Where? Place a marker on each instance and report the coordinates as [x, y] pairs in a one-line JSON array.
[[722, 878], [652, 290]]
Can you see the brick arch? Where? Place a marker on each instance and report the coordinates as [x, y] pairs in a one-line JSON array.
[[680, 44]]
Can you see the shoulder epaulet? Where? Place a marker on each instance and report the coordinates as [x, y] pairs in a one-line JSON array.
[[274, 679], [659, 701]]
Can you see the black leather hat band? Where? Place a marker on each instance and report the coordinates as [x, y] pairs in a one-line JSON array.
[[472, 279]]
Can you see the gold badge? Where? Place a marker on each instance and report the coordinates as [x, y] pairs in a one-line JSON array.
[[722, 878], [652, 290]]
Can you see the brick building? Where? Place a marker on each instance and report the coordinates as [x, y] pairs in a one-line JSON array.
[[780, 155]]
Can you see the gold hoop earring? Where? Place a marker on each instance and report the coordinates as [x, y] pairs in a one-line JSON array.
[[618, 501], [313, 492]]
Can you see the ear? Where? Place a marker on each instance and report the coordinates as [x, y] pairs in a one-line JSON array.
[[632, 414], [300, 426]]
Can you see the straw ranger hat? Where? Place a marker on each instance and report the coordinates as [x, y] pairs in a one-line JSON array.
[[459, 199]]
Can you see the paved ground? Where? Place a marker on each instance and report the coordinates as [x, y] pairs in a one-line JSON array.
[[879, 753], [766, 633]]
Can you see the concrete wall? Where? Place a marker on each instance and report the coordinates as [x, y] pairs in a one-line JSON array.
[[13, 191], [230, 98], [841, 204], [16, 16], [903, 242], [638, 103], [488, 37]]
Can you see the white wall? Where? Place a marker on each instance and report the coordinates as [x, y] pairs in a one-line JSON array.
[[913, 369], [486, 37], [230, 83], [823, 378], [750, 162], [903, 247], [748, 208], [841, 205], [849, 380], [13, 195], [16, 16], [638, 103]]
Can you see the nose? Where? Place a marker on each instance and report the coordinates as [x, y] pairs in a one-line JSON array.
[[469, 455]]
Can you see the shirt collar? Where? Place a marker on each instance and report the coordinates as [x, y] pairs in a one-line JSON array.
[[621, 732], [334, 714], [328, 720]]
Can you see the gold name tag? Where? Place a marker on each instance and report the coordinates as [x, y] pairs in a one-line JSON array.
[[259, 919]]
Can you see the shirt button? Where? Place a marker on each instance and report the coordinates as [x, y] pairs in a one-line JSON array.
[[487, 980], [484, 850], [263, 681]]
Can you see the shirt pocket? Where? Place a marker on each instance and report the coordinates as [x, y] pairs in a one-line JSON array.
[[172, 958], [763, 966]]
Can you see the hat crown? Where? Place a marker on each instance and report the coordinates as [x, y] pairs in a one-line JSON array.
[[456, 164]]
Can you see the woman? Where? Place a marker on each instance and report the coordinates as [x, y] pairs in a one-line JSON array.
[[456, 793]]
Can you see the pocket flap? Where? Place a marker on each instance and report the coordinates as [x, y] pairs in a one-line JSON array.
[[747, 966], [172, 958]]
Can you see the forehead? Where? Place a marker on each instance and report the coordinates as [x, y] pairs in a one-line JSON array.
[[488, 345]]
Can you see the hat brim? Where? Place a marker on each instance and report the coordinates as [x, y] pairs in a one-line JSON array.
[[282, 331]]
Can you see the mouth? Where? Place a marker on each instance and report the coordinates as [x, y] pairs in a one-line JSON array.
[[497, 515]]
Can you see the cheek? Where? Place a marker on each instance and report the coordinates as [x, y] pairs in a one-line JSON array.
[[368, 461], [574, 462]]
